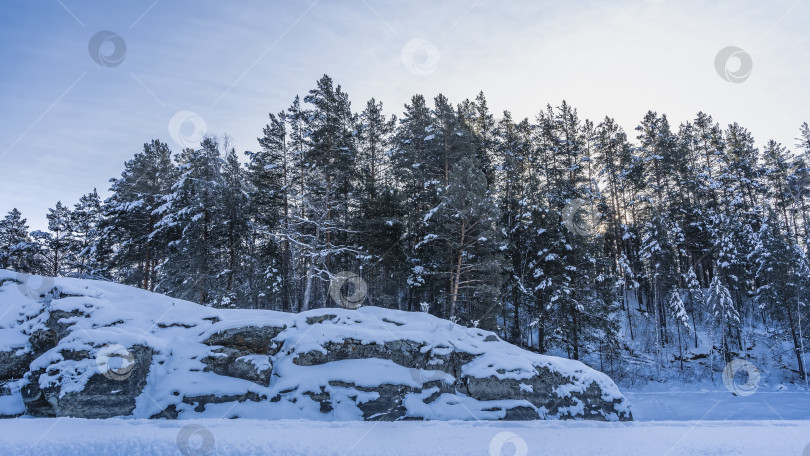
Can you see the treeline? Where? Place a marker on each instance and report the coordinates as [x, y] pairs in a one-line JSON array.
[[559, 233]]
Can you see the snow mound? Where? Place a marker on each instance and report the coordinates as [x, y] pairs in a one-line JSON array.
[[85, 348]]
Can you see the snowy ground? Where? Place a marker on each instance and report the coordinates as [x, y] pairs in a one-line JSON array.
[[70, 436], [717, 404], [691, 419], [708, 422]]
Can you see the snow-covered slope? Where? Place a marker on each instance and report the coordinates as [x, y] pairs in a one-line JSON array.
[[97, 349]]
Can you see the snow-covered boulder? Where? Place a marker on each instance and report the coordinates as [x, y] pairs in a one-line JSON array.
[[96, 349]]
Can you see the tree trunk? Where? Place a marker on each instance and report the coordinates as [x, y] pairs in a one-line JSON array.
[[796, 343], [455, 281], [310, 270], [629, 320]]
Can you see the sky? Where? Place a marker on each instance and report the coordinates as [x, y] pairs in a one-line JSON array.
[[84, 84]]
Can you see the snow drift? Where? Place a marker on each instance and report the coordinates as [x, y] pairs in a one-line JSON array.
[[85, 348]]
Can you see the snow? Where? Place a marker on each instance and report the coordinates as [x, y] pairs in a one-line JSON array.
[[261, 362], [77, 437], [106, 318], [11, 404], [697, 418], [709, 402]]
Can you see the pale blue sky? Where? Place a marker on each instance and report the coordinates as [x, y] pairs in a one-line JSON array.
[[67, 124]]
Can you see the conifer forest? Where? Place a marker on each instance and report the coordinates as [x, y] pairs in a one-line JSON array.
[[647, 251]]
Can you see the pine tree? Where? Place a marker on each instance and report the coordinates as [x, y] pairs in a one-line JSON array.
[[270, 174], [131, 214], [60, 243], [659, 150], [724, 313], [677, 311], [235, 221], [568, 262], [782, 272], [194, 209], [466, 220], [16, 247], [377, 223], [482, 126], [40, 259], [86, 219], [517, 189], [614, 160], [777, 169], [800, 185], [696, 299], [321, 231], [417, 173]]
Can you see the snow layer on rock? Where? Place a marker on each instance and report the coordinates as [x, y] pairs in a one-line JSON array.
[[97, 314]]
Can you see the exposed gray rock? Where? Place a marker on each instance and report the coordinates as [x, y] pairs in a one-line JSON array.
[[402, 352], [13, 365], [389, 405], [101, 397], [547, 390], [251, 339], [199, 402], [233, 362]]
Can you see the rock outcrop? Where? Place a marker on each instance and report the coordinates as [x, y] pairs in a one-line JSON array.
[[96, 349]]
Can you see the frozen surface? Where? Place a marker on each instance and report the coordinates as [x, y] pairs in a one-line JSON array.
[[708, 421], [716, 403], [70, 436]]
